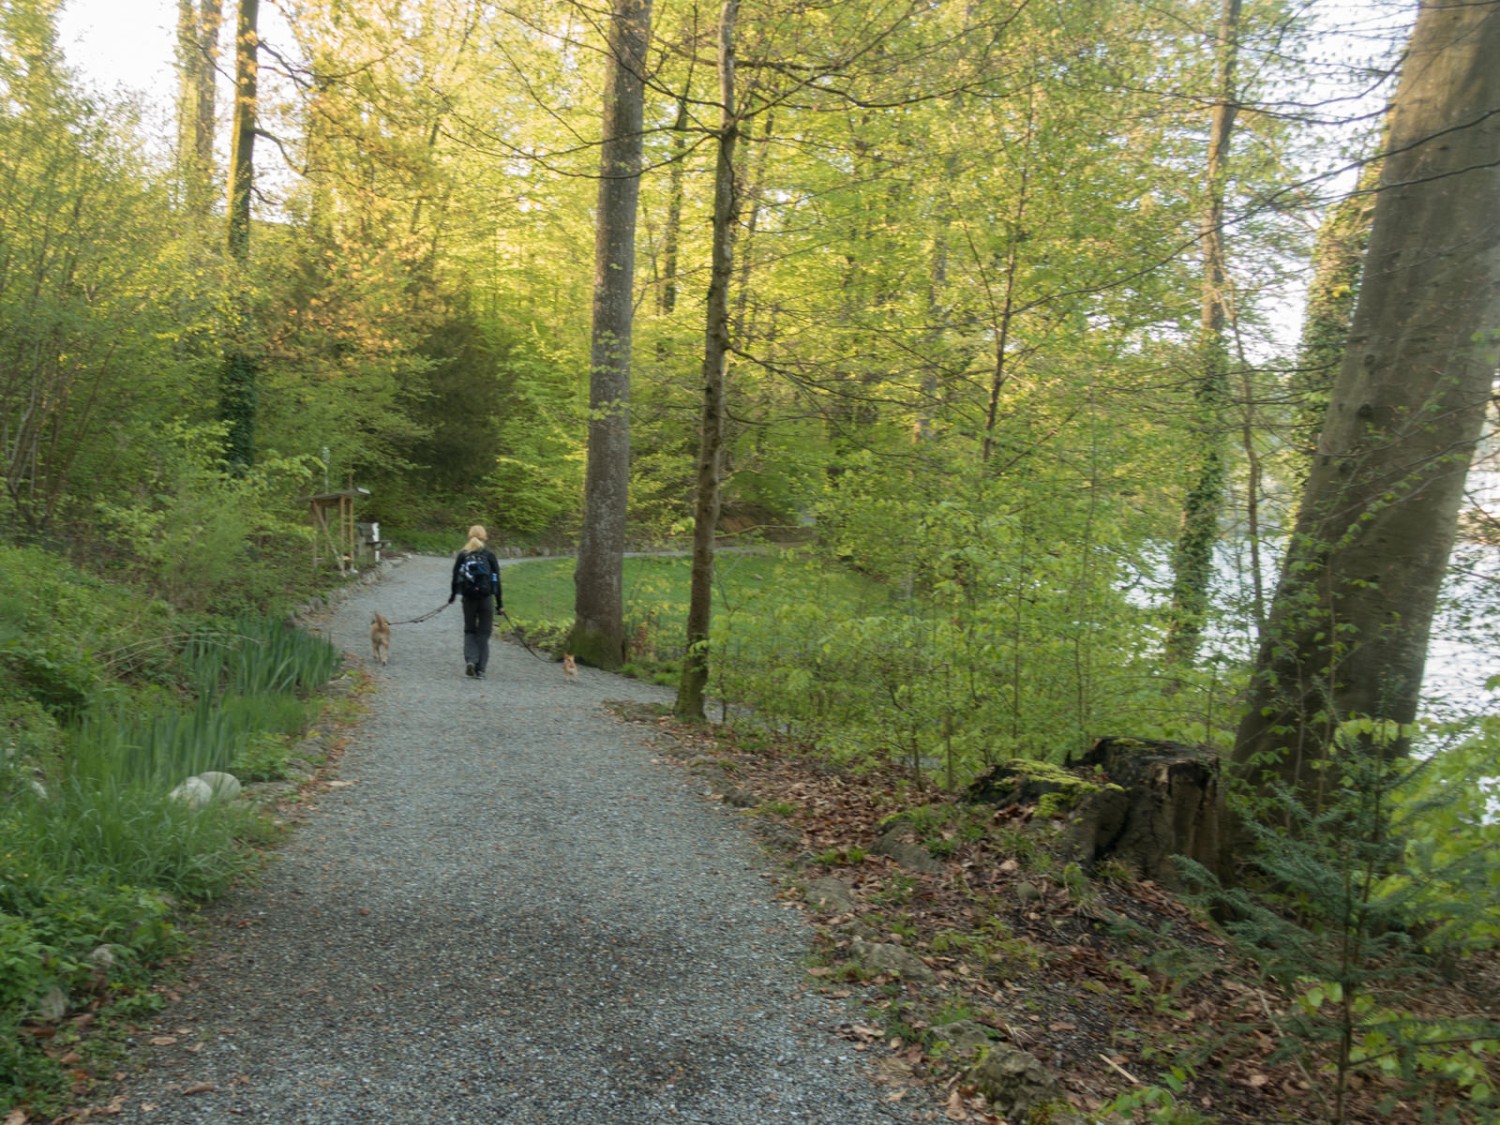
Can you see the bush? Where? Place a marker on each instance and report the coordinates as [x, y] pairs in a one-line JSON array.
[[208, 539]]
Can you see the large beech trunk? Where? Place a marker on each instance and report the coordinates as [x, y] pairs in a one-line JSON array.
[[1350, 621]]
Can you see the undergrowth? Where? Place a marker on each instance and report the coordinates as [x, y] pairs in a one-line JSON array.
[[107, 703], [1144, 1006]]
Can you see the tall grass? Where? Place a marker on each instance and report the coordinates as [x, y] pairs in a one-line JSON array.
[[93, 849], [117, 748], [258, 656]]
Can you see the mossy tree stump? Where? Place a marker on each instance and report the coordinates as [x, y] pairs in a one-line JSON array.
[[1164, 800], [1132, 800]]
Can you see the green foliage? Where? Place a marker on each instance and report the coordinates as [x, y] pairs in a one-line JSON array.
[[1354, 920], [1158, 1103], [258, 656], [534, 476], [23, 964], [941, 827], [841, 857], [114, 700], [88, 248], [1448, 816], [208, 538]]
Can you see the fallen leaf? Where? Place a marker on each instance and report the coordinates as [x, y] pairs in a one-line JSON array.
[[955, 1110], [198, 1088], [163, 1040], [17, 1117]]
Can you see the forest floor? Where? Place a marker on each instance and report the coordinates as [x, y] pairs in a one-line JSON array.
[[1116, 985]]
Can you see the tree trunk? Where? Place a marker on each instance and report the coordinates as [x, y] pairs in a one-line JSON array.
[[1350, 621], [666, 300], [198, 55], [690, 689], [1134, 801], [598, 635], [1193, 560], [237, 389]]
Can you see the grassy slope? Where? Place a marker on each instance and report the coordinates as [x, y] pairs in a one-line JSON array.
[[100, 715]]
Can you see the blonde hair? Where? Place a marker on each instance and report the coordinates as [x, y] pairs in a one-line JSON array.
[[477, 538]]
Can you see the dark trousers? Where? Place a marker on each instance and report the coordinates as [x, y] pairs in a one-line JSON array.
[[479, 623]]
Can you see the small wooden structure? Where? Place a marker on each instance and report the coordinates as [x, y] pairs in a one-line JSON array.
[[334, 530]]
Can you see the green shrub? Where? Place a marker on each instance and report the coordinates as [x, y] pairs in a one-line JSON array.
[[1353, 923], [24, 961], [207, 538]]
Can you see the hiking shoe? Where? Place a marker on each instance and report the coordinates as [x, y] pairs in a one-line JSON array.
[[470, 670], [479, 673]]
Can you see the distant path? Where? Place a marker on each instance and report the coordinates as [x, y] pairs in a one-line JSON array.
[[509, 912]]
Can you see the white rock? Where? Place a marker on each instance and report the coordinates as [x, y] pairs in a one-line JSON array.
[[53, 1005], [225, 786], [38, 788], [102, 958], [194, 792]]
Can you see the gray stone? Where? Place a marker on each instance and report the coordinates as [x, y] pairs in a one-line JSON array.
[[777, 835], [832, 895], [1015, 1082], [882, 957], [963, 1037], [225, 786], [194, 792], [913, 856]]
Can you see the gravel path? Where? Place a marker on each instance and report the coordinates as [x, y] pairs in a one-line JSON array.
[[508, 913]]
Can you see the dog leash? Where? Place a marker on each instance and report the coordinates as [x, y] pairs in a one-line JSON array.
[[424, 617], [516, 629]]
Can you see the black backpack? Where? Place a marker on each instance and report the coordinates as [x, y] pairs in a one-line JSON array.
[[475, 579]]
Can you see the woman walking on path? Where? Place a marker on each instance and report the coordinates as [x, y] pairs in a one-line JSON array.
[[476, 576]]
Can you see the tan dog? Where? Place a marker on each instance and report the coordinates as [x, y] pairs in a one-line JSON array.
[[570, 668], [380, 638]]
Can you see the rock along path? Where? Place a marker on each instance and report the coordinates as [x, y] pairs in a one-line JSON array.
[[508, 911]]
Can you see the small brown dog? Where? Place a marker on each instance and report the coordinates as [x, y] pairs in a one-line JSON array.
[[570, 668], [380, 638]]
